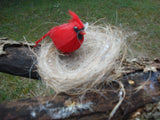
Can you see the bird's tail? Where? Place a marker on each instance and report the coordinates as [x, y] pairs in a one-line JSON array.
[[40, 39]]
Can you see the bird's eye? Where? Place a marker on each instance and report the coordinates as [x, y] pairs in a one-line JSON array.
[[75, 29]]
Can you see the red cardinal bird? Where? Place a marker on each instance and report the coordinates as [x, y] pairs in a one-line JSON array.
[[67, 37]]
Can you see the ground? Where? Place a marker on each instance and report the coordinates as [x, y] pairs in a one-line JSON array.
[[32, 19]]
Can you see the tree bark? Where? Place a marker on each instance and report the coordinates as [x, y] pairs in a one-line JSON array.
[[17, 59]]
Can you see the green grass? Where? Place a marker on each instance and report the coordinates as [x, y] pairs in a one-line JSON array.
[[14, 87], [33, 18]]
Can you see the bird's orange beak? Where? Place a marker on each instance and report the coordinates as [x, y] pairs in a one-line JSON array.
[[82, 32]]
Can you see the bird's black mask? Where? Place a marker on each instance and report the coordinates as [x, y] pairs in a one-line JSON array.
[[79, 36]]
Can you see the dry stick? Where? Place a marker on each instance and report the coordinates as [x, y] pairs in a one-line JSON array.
[[121, 95]]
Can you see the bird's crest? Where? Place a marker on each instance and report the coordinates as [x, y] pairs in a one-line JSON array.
[[75, 18]]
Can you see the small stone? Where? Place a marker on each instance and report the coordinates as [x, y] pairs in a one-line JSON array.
[[131, 82]]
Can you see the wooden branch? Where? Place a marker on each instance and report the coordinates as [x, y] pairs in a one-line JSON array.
[[95, 106], [141, 80], [17, 59]]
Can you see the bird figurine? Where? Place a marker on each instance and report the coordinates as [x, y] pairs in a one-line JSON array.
[[67, 37]]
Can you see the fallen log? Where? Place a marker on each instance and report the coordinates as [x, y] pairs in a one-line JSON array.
[[17, 59], [141, 80]]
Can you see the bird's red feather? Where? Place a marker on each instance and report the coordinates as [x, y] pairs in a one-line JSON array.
[[64, 37]]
